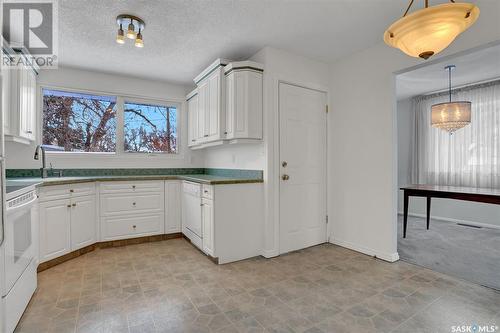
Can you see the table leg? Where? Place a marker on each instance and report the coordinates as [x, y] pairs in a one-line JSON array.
[[405, 217], [428, 211]]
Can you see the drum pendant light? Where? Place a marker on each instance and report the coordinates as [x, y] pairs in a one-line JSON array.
[[432, 29], [451, 116]]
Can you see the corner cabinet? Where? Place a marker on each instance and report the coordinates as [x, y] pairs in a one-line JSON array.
[[244, 100], [20, 105], [226, 105]]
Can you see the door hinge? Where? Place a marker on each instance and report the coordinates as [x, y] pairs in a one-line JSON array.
[[326, 219], [326, 109]]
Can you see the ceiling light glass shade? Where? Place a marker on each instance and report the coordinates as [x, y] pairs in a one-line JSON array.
[[430, 30], [120, 39], [138, 41], [131, 31], [451, 116]]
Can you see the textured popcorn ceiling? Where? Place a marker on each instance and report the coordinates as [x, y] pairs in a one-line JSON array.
[[184, 36]]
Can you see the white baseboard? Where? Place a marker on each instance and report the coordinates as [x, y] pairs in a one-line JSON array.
[[448, 219], [270, 253], [390, 257]]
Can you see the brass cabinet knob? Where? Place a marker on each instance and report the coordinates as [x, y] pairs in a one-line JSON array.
[[71, 191], [134, 226], [285, 177], [133, 186], [69, 206], [133, 203], [284, 164], [74, 205]]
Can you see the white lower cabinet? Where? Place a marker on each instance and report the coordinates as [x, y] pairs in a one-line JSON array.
[[83, 222], [173, 206], [207, 221], [211, 216], [132, 209], [65, 224], [130, 226], [54, 229]]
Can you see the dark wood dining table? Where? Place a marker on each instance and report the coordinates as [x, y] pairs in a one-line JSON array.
[[484, 195]]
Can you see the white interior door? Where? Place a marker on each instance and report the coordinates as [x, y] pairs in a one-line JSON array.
[[303, 126]]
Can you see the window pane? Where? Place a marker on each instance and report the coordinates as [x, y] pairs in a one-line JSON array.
[[79, 122], [150, 128]]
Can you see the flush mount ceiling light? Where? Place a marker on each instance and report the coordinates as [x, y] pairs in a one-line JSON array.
[[134, 25], [450, 116], [430, 30]]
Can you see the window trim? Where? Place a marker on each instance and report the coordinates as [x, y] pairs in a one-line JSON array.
[[120, 98]]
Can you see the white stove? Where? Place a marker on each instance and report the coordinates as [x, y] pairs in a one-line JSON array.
[[18, 253]]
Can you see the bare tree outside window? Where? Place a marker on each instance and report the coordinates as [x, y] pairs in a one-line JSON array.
[[150, 128], [79, 122]]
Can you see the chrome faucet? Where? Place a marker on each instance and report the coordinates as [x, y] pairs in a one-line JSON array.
[[43, 169]]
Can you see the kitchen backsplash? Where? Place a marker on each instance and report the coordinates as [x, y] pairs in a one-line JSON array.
[[234, 173]]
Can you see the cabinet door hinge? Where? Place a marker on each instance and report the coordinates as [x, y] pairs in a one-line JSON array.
[[326, 108], [326, 219]]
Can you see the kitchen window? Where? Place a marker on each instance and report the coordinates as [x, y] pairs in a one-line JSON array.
[[150, 128], [76, 122]]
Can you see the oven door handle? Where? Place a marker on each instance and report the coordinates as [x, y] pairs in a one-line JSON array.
[[13, 210]]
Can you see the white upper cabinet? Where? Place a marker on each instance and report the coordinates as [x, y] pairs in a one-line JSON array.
[[243, 100], [226, 105], [211, 98], [215, 110], [20, 122], [192, 105], [6, 93]]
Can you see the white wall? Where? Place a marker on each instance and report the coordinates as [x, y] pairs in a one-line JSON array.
[[363, 136], [21, 156], [281, 66], [441, 209]]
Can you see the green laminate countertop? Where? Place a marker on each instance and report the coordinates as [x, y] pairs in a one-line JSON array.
[[197, 178]]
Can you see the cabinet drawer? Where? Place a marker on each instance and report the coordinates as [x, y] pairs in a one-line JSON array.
[[57, 192], [131, 187], [208, 191], [112, 204], [121, 227]]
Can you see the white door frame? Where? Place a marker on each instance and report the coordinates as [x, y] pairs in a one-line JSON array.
[[277, 169]]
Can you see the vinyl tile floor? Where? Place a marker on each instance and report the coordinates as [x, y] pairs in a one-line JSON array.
[[171, 287], [472, 254]]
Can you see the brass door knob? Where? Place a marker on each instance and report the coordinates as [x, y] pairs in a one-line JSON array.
[[285, 177], [284, 164]]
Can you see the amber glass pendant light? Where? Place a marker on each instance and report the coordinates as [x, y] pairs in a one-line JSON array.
[[430, 30]]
